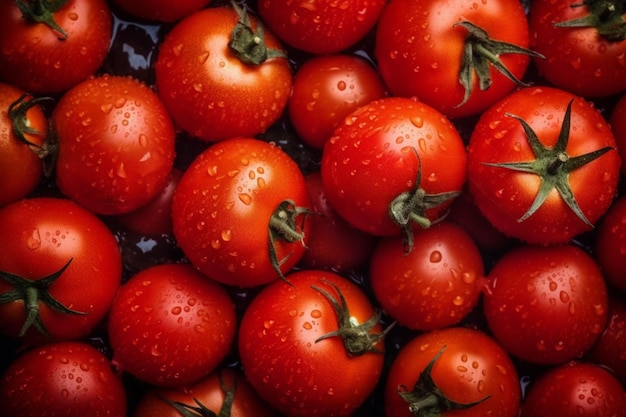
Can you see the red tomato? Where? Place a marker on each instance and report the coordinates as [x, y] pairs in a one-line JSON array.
[[546, 305], [617, 120], [454, 371], [214, 92], [161, 10], [116, 144], [455, 55], [322, 26], [225, 392], [238, 212], [51, 46], [313, 346], [70, 379], [434, 286], [394, 155], [169, 325], [575, 390], [61, 268], [542, 165], [610, 245], [23, 132], [584, 45], [326, 89]]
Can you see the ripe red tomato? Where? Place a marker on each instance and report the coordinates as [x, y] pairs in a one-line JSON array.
[[393, 165], [169, 325], [458, 56], [542, 165], [225, 392], [238, 212], [434, 286], [584, 45], [610, 244], [617, 120], [161, 10], [61, 268], [116, 144], [56, 53], [546, 305], [23, 132], [70, 379], [322, 26], [326, 89], [216, 85], [575, 389], [313, 346], [456, 371]]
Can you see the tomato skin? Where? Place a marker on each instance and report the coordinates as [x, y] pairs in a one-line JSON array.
[[321, 27], [283, 362], [419, 51], [436, 285], [371, 159], [170, 326], [326, 89], [472, 366], [219, 96], [52, 65], [20, 167], [161, 10], [116, 144], [505, 195], [222, 208], [575, 389], [39, 236], [530, 284], [577, 59], [610, 243], [617, 120], [62, 378]]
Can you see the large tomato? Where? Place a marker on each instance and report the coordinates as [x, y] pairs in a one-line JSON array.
[[542, 165], [50, 46], [456, 371], [221, 76], [456, 55], [238, 212], [116, 144], [60, 269], [312, 346]]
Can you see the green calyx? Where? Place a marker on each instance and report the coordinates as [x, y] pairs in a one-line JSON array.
[[248, 45], [410, 207], [42, 11], [479, 52], [607, 16], [553, 166], [200, 410], [33, 292], [426, 399], [357, 338], [20, 125]]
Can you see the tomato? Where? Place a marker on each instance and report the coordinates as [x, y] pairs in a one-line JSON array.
[[239, 212], [161, 10], [458, 369], [459, 57], [23, 132], [312, 346], [333, 244], [393, 165], [224, 392], [617, 120], [61, 268], [70, 379], [116, 144], [434, 286], [51, 46], [610, 244], [322, 26], [170, 326], [542, 165], [575, 389], [220, 76], [584, 44], [326, 89], [546, 305]]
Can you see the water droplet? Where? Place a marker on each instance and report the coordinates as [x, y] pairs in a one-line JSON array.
[[307, 325], [227, 235], [176, 310], [435, 256], [341, 85], [316, 314], [245, 198], [34, 240]]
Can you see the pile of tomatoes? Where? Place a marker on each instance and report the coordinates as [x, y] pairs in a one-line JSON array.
[[313, 208]]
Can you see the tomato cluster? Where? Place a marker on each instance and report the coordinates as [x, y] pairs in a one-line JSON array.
[[315, 208]]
